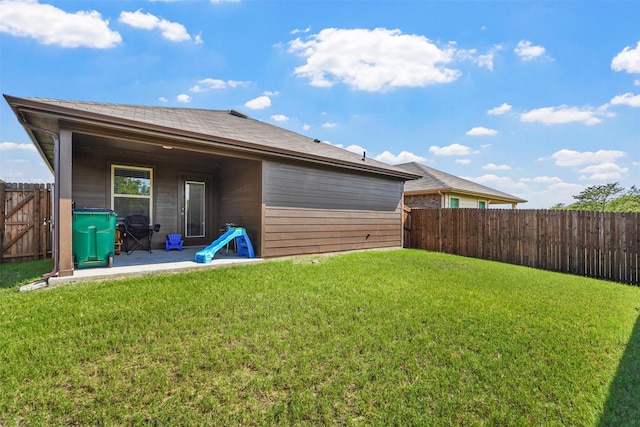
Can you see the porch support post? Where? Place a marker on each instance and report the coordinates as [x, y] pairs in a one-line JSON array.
[[65, 214]]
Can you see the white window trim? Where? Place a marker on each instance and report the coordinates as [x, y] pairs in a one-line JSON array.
[[150, 196]]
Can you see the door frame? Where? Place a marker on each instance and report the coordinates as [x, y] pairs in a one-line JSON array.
[[207, 179]]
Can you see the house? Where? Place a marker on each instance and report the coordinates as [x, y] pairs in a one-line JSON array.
[[437, 189], [192, 171]]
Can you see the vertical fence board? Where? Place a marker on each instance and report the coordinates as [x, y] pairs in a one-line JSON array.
[[25, 220], [601, 245]]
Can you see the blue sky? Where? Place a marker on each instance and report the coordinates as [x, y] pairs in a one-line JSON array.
[[537, 99]]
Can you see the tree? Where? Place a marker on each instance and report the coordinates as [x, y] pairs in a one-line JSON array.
[[596, 197], [605, 198], [628, 202], [559, 207]]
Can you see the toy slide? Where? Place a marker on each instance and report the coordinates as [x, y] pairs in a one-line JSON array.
[[242, 243]]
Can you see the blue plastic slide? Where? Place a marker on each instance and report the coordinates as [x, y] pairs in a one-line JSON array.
[[242, 243]]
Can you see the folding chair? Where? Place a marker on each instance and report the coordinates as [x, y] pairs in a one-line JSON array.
[[136, 228]]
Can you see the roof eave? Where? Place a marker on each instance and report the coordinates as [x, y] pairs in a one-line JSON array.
[[492, 198], [87, 117]]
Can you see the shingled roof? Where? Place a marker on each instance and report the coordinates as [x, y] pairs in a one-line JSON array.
[[434, 181], [229, 128]]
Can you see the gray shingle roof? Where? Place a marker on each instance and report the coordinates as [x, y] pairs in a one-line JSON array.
[[434, 180], [209, 125]]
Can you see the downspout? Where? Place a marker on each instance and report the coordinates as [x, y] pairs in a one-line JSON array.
[[56, 193], [442, 205]]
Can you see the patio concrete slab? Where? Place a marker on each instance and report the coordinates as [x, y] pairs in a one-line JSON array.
[[141, 263]]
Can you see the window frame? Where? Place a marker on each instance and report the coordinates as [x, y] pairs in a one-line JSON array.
[[457, 202], [115, 166], [482, 204]]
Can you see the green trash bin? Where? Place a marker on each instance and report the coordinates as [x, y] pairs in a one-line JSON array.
[[93, 235]]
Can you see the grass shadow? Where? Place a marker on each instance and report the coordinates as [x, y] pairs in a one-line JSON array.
[[18, 273], [622, 407]]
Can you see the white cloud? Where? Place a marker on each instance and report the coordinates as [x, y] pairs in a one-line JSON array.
[[603, 172], [52, 26], [545, 191], [372, 60], [6, 146], [208, 84], [163, 99], [636, 82], [566, 157], [627, 99], [485, 60], [270, 93], [298, 31], [494, 167], [497, 181], [224, 1], [137, 19], [628, 60], [171, 31], [352, 148], [563, 114], [498, 111], [482, 131], [183, 98], [279, 118], [329, 125], [527, 51], [259, 103], [356, 149], [542, 180], [306, 127], [450, 150], [198, 38], [463, 161], [402, 157]]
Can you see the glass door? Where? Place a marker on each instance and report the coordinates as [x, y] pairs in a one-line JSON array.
[[194, 208]]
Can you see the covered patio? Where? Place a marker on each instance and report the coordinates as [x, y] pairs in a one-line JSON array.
[[140, 263]]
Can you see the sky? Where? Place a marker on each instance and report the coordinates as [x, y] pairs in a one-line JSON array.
[[537, 99]]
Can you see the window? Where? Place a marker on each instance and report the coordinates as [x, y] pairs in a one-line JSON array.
[[482, 204], [454, 203], [131, 191]]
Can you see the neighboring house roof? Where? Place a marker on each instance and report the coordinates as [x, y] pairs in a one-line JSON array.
[[434, 181], [217, 128]]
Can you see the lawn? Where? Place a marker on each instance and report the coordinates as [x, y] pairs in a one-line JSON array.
[[401, 337], [16, 274]]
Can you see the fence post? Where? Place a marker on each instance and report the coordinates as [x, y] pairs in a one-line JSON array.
[[3, 207]]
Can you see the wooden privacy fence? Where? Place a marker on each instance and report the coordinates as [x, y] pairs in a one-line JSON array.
[[601, 245], [25, 218]]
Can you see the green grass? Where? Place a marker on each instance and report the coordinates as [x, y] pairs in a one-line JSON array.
[[15, 274], [379, 338]]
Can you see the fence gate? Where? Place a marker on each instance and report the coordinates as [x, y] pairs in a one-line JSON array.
[[26, 221]]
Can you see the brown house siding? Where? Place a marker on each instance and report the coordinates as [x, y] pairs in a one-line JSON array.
[[287, 208], [423, 201], [314, 210], [240, 197], [233, 186]]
